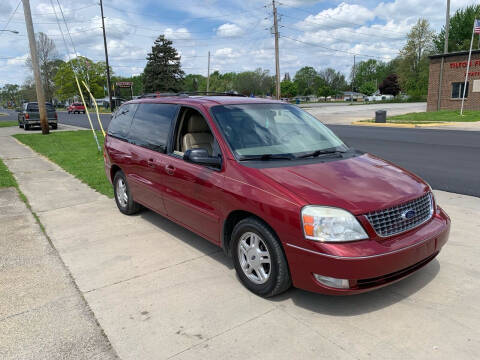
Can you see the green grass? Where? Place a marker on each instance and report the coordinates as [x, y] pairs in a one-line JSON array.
[[6, 177], [8, 123], [434, 117], [74, 151]]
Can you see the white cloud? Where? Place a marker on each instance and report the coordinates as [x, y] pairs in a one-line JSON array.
[[229, 30], [176, 34], [18, 60], [341, 16]]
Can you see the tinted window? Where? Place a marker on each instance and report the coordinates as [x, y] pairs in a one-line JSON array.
[[121, 121], [151, 125]]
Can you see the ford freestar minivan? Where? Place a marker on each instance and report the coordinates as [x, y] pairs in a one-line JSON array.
[[276, 189]]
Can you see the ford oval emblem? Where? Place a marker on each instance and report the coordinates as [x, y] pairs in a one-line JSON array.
[[408, 214]]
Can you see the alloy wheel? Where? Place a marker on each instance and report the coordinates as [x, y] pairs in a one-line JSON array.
[[254, 258]]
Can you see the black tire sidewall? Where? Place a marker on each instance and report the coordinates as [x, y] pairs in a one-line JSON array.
[[276, 255], [131, 207]]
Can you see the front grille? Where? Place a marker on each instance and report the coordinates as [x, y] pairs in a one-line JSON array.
[[401, 218]]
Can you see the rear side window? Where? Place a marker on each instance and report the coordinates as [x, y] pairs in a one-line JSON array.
[[151, 125], [121, 121]]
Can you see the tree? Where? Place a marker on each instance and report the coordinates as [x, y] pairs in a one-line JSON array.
[[10, 93], [332, 79], [194, 82], [459, 35], [93, 73], [163, 71], [48, 62], [326, 91], [370, 71], [368, 88], [307, 80], [414, 63], [389, 86], [288, 88]]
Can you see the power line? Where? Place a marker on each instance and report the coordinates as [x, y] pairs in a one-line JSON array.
[[335, 50], [10, 18]]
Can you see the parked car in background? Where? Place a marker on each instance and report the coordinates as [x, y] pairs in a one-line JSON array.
[[76, 108], [276, 189], [29, 116]]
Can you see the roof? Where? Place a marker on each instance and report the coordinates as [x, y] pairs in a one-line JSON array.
[[457, 53], [206, 100]]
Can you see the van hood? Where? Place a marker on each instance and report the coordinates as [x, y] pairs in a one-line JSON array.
[[360, 184]]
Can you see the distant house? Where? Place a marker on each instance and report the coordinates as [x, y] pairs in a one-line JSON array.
[[379, 97], [349, 95]]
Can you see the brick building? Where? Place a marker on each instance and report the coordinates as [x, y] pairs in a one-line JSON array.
[[453, 78]]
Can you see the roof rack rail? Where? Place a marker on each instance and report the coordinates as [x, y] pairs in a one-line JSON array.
[[189, 93], [213, 93]]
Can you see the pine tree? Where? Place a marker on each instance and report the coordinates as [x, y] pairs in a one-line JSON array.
[[163, 71]]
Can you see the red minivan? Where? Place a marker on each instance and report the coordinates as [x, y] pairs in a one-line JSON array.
[[276, 189]]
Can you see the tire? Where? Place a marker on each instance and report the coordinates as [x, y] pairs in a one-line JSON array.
[[54, 126], [84, 112], [26, 127], [273, 277], [68, 112], [126, 205]]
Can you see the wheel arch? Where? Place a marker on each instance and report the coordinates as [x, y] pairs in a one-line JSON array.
[[232, 219]]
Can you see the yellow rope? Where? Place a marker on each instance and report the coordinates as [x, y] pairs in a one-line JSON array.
[[96, 107]]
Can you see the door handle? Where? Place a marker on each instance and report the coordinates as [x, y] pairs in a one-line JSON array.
[[169, 169]]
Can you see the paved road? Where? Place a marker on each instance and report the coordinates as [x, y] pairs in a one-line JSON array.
[[449, 160], [345, 114]]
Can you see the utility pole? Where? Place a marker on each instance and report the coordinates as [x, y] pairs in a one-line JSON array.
[[445, 51], [36, 69], [208, 73], [109, 86], [353, 78], [277, 60]]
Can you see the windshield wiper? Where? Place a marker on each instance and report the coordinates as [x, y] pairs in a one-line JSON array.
[[266, 157], [317, 153]]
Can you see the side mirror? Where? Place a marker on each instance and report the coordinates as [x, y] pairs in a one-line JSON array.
[[201, 157]]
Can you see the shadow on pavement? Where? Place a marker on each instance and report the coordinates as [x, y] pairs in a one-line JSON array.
[[318, 303]]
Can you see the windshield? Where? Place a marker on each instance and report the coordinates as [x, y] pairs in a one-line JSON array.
[[254, 130]]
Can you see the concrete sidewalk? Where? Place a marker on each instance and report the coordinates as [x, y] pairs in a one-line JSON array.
[[161, 292], [42, 314]]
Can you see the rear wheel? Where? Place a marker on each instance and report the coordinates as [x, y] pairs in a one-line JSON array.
[[54, 126], [258, 258], [123, 197], [26, 127], [84, 112]]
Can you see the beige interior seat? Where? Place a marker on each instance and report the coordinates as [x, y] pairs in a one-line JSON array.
[[198, 135]]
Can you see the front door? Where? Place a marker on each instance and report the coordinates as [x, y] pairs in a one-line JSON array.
[[193, 192]]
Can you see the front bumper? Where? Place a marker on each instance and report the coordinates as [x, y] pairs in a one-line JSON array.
[[37, 122], [374, 264]]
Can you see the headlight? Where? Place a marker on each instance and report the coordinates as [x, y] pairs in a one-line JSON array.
[[331, 224]]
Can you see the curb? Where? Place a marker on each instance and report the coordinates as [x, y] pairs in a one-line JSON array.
[[400, 125]]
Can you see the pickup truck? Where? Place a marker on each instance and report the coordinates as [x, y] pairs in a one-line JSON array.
[[29, 116]]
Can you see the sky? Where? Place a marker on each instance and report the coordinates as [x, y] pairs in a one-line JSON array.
[[237, 33]]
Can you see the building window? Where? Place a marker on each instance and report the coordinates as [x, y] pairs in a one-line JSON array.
[[457, 90]]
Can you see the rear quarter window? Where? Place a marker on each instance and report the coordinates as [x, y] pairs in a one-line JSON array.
[[121, 121], [151, 125]]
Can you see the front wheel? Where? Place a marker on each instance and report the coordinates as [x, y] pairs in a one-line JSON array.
[[259, 259], [123, 197]]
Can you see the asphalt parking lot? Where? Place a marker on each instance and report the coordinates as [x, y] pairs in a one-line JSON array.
[[160, 292]]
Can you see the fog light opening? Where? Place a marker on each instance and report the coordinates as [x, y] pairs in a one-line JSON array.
[[332, 282]]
